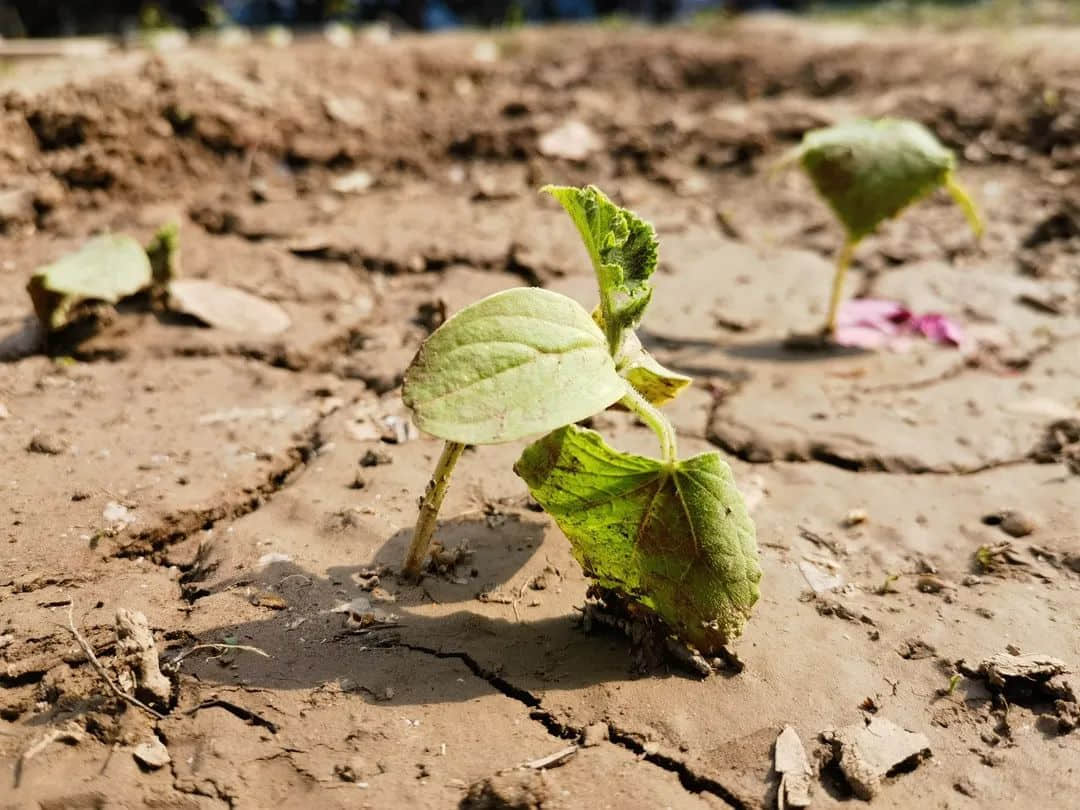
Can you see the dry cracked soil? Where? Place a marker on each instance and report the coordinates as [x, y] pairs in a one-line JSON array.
[[917, 512]]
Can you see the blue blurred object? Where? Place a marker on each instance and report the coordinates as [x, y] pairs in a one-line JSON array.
[[68, 17], [437, 15]]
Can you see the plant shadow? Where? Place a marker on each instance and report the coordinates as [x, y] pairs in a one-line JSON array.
[[27, 337], [696, 356], [780, 350], [471, 621]]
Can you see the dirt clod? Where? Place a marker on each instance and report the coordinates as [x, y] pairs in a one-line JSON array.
[[47, 445], [152, 754], [137, 651], [869, 753], [1013, 522], [794, 768], [516, 790]]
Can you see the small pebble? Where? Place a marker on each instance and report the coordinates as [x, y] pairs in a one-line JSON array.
[[1017, 524], [152, 754], [854, 517], [594, 735], [1011, 521]]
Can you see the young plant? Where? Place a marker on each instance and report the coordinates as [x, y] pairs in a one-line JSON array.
[[670, 536], [112, 268], [869, 171]]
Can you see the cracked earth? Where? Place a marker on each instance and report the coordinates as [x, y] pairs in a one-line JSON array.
[[240, 491]]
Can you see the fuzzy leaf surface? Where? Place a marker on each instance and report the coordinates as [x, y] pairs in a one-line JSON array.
[[107, 268], [623, 250], [676, 539], [868, 171], [514, 364]]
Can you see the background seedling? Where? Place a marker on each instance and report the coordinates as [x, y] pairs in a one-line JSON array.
[[113, 267], [672, 537], [869, 171]]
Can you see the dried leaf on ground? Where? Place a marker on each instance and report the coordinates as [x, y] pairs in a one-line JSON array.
[[226, 307]]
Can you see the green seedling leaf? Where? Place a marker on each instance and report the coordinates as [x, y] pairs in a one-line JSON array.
[[869, 171], [107, 268], [514, 364], [676, 538], [623, 249], [653, 381]]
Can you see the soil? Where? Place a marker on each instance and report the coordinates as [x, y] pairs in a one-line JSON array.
[[237, 490]]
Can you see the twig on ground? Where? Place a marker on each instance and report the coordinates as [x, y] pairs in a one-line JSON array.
[[222, 648], [552, 760]]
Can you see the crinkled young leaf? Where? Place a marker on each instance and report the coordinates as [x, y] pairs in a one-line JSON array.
[[677, 539], [868, 171], [623, 249], [514, 364], [107, 268]]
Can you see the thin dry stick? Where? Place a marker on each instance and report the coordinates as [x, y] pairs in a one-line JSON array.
[[116, 690], [222, 648]]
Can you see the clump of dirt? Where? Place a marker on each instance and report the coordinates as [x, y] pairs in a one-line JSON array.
[[517, 790]]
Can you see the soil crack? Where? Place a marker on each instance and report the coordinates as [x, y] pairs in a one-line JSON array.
[[179, 527], [691, 781]]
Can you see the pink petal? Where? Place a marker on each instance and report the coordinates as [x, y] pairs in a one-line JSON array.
[[939, 329], [861, 337], [873, 323], [887, 317]]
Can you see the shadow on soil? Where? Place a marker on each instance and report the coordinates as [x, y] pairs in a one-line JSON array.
[[441, 618]]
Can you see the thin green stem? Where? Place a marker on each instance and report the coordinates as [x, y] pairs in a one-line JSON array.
[[429, 509], [843, 262], [651, 416], [607, 307], [967, 205]]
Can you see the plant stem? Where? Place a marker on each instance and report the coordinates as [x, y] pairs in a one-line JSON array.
[[651, 416], [429, 509], [843, 262], [967, 205]]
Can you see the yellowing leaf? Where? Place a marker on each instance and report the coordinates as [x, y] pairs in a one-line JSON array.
[[514, 364], [675, 538], [639, 368], [868, 171], [652, 380], [107, 268]]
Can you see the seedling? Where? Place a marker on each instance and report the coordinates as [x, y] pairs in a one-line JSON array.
[[670, 536], [112, 268], [869, 171]]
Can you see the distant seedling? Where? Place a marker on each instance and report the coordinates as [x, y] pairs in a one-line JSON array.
[[869, 171], [671, 537], [113, 268]]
